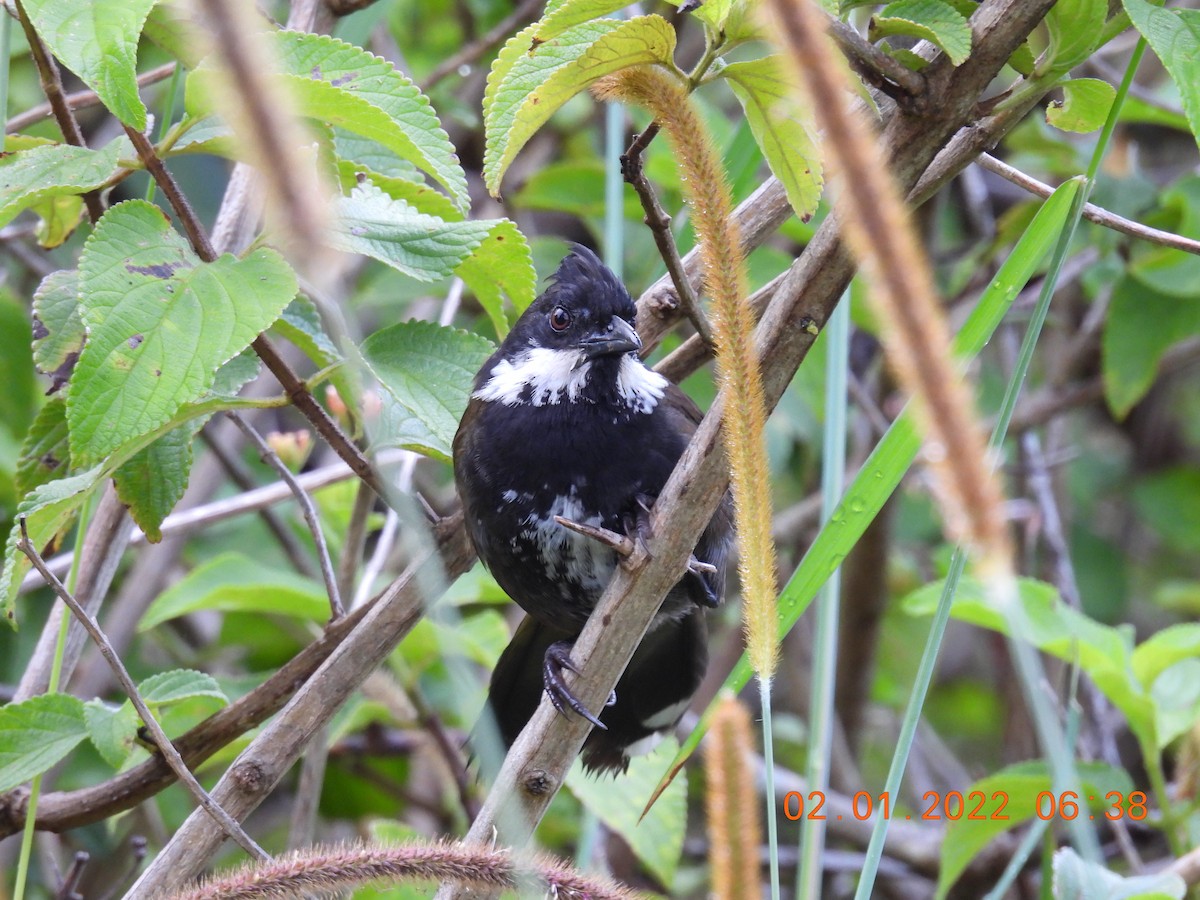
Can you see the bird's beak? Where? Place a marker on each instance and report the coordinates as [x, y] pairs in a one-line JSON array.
[[615, 338]]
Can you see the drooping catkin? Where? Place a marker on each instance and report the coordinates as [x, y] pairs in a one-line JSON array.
[[333, 869], [707, 192], [730, 804], [913, 327]]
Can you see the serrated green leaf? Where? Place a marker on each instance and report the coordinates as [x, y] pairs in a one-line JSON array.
[[58, 332], [1075, 27], [514, 49], [48, 509], [98, 41], [160, 323], [426, 372], [1141, 326], [45, 452], [113, 730], [416, 194], [780, 127], [1084, 107], [501, 266], [36, 733], [154, 480], [301, 324], [1012, 794], [424, 247], [232, 582], [344, 86], [177, 685], [1174, 34], [933, 20], [28, 177], [1075, 878], [538, 82], [575, 12], [656, 838]]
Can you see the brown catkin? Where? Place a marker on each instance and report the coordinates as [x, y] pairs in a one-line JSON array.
[[707, 192], [913, 329], [730, 804]]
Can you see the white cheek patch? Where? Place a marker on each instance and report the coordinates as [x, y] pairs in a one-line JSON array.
[[641, 388], [551, 376]]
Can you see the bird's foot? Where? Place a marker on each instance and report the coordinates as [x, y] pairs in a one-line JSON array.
[[558, 658]]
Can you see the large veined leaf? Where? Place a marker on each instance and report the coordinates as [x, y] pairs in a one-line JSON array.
[[160, 323], [533, 81], [342, 85], [36, 734], [779, 125], [98, 41], [38, 173], [58, 332], [424, 247], [425, 371], [1174, 34]]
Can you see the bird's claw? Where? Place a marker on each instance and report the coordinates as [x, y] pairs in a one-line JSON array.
[[558, 657]]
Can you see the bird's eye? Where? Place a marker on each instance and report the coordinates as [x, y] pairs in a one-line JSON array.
[[560, 319]]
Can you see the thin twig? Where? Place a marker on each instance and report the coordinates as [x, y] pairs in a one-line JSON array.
[[70, 882], [1091, 211], [356, 538], [292, 384], [170, 754], [238, 473], [659, 223], [82, 99], [616, 542], [881, 69], [52, 87], [271, 458]]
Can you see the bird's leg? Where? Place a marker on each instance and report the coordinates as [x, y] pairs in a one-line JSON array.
[[644, 531], [558, 657]]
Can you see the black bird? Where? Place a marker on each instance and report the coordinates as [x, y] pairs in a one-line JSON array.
[[566, 420]]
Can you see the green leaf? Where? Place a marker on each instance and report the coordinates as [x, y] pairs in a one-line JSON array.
[[533, 85], [48, 509], [232, 582], [342, 85], [36, 734], [572, 186], [424, 247], [160, 323], [45, 452], [113, 730], [58, 332], [657, 838], [1142, 324], [98, 41], [177, 685], [1163, 649], [559, 17], [895, 452], [1169, 502], [1174, 34], [58, 217], [19, 396], [501, 266], [1084, 106], [30, 176], [1012, 793], [1077, 879], [1075, 27], [426, 373], [169, 27], [417, 194], [155, 478], [932, 20], [1176, 696], [1165, 269], [780, 127]]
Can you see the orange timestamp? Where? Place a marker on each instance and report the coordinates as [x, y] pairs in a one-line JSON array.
[[974, 806]]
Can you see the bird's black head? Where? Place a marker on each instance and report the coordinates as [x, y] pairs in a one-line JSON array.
[[576, 342], [585, 309]]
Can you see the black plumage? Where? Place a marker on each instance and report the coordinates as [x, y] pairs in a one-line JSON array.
[[566, 420]]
